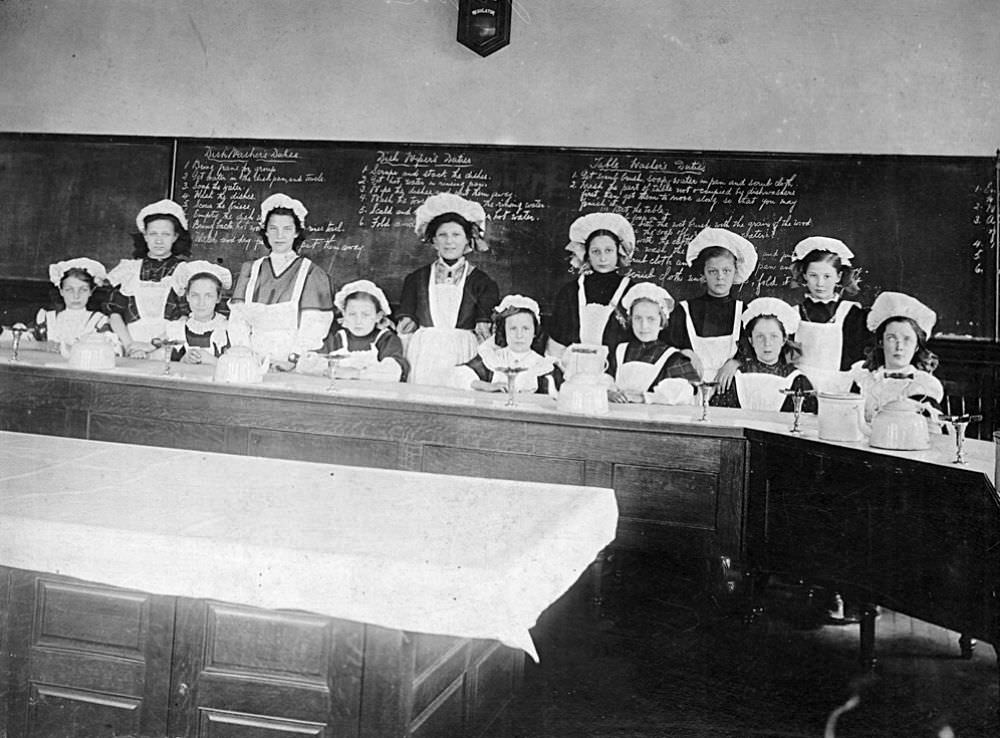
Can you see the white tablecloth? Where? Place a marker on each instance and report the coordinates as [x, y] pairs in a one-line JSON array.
[[475, 558]]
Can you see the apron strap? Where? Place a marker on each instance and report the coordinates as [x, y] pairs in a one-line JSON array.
[[659, 363], [737, 322]]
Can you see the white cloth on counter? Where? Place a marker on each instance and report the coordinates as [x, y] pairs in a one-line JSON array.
[[471, 558]]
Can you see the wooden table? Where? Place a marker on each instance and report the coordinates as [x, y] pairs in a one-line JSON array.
[[170, 592]]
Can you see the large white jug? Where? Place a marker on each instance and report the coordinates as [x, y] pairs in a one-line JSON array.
[[841, 417]]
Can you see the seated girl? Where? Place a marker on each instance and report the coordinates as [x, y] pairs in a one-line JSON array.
[[646, 363], [71, 316], [767, 357], [203, 334], [371, 348], [899, 365], [517, 343]]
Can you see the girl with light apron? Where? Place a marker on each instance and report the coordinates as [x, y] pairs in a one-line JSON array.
[[716, 350], [274, 328], [822, 347], [636, 377], [757, 391]]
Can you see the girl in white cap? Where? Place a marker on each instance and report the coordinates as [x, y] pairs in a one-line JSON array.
[[282, 304], [372, 350], [204, 333], [707, 327], [71, 316], [645, 362], [832, 333], [767, 360], [899, 364], [600, 246], [447, 305], [516, 344], [143, 300]]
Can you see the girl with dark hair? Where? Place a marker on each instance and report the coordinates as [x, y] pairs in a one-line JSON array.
[[282, 303], [71, 317], [142, 300], [372, 350], [446, 305], [832, 333], [516, 344], [600, 246], [707, 327], [203, 334]]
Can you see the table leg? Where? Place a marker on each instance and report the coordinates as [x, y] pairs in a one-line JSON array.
[[869, 612]]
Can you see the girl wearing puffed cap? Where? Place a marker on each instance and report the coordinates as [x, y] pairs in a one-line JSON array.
[[646, 363], [446, 306], [899, 364], [832, 334], [204, 334], [371, 349], [514, 347], [71, 317], [600, 246], [707, 327], [142, 301], [282, 303], [767, 360]]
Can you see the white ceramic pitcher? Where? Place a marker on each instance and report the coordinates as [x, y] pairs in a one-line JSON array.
[[842, 417]]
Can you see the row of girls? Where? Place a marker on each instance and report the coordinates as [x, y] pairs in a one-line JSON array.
[[453, 328]]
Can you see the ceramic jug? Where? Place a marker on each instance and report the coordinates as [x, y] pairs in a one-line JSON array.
[[584, 358], [239, 364], [841, 417]]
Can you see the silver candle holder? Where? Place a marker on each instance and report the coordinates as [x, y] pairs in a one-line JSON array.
[[511, 373], [706, 390], [18, 329], [959, 423], [798, 398]]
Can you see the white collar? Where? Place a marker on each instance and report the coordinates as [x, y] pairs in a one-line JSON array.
[[204, 326], [835, 298]]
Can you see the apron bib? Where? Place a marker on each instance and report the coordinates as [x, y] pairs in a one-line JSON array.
[[763, 391], [593, 315], [714, 351], [822, 344], [150, 301], [66, 326], [273, 327], [638, 376], [363, 358], [534, 365], [433, 351]]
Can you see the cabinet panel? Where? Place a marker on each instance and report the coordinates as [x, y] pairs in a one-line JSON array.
[[500, 465]]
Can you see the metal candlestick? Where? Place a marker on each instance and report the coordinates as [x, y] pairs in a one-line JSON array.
[[798, 397], [959, 423], [511, 372], [167, 344], [707, 389], [333, 360], [18, 329]]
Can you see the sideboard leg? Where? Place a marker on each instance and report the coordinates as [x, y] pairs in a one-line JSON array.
[[869, 612]]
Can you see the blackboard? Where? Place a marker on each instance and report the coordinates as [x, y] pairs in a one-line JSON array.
[[923, 225], [66, 196]]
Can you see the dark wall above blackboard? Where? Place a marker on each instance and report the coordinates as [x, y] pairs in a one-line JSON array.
[[923, 225]]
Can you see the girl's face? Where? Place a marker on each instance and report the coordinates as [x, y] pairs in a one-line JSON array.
[[160, 237], [646, 320], [602, 253], [519, 329], [202, 297], [821, 280], [281, 233], [75, 293], [720, 271], [450, 241], [899, 343], [767, 338], [360, 316]]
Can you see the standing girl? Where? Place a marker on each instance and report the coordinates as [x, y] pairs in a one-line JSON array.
[[832, 333], [71, 317], [204, 333], [282, 303], [707, 327], [143, 301], [446, 305], [601, 245], [374, 351]]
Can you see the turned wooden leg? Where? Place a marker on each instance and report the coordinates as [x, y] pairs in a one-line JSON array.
[[966, 645], [868, 614], [597, 584]]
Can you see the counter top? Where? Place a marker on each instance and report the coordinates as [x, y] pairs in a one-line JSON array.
[[476, 558]]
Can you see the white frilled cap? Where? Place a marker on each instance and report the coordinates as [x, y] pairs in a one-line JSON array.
[[184, 271], [162, 207], [446, 202], [742, 249], [281, 200], [583, 226], [518, 302], [649, 291], [361, 285], [821, 243], [94, 268], [773, 307], [897, 305]]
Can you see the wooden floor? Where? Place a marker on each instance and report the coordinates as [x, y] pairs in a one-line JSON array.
[[666, 661]]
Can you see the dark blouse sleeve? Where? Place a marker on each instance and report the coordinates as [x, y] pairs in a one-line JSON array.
[[856, 337], [487, 296], [563, 326], [316, 294], [675, 333], [240, 290], [390, 347], [477, 365], [729, 398], [678, 366], [408, 299]]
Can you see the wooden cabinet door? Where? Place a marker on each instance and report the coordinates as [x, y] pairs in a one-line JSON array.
[[84, 659]]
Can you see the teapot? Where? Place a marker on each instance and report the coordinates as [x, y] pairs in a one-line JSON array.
[[899, 425], [841, 417], [240, 365], [584, 358]]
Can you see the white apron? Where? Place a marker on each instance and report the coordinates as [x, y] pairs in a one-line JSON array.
[[215, 328], [638, 376], [763, 391], [433, 351], [714, 351], [273, 328], [67, 326], [150, 301], [822, 345], [362, 358], [593, 315]]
